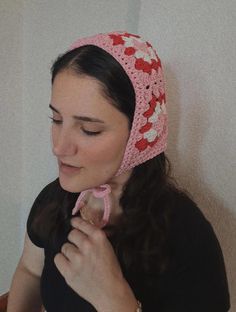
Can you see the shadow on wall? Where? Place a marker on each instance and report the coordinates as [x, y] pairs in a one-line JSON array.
[[185, 150]]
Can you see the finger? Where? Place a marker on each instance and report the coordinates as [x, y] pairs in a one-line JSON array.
[[69, 251], [82, 242], [93, 234], [77, 238], [62, 264], [84, 226]]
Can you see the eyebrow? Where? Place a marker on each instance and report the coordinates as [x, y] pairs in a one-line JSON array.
[[81, 118]]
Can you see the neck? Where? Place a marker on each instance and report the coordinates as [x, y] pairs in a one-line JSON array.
[[117, 183], [93, 209]]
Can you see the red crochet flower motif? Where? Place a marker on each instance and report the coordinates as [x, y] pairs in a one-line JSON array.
[[149, 135], [147, 61], [146, 57], [117, 39], [141, 145]]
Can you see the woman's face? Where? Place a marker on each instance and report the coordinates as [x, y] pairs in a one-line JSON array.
[[88, 132]]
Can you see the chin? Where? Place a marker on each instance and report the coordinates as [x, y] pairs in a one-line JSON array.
[[69, 186]]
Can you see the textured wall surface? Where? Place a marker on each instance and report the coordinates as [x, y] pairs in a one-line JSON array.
[[10, 137], [196, 42]]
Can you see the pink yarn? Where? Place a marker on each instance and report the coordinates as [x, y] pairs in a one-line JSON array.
[[101, 192], [148, 136]]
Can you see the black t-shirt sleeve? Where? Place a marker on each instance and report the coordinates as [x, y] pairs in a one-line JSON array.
[[36, 210], [197, 279]]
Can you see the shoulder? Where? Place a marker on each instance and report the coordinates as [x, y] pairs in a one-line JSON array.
[[196, 275], [196, 254], [186, 215], [49, 191], [46, 195], [40, 210], [190, 230]]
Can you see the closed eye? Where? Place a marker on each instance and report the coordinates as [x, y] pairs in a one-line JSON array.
[[56, 121], [91, 132]]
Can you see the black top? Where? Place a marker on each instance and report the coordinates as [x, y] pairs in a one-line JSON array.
[[195, 283]]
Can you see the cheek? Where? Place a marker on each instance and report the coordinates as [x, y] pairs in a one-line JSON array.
[[107, 152], [54, 135]]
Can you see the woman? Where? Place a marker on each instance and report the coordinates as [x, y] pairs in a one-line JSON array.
[[113, 232]]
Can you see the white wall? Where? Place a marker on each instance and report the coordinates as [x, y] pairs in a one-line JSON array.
[[196, 42], [10, 137]]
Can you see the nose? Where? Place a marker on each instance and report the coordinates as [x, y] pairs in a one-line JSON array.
[[63, 144]]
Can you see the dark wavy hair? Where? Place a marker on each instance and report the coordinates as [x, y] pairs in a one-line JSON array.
[[140, 240]]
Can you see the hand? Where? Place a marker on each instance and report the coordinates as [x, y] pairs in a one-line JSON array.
[[90, 267]]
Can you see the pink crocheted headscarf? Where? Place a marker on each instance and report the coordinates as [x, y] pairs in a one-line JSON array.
[[148, 135]]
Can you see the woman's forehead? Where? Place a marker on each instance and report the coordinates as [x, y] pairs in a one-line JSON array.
[[80, 94]]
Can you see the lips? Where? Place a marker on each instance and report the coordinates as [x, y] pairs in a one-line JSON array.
[[64, 164], [68, 168]]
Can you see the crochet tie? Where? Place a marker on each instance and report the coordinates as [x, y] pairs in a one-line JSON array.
[[101, 192]]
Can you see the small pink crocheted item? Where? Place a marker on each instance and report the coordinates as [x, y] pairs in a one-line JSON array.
[[148, 135], [100, 192]]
